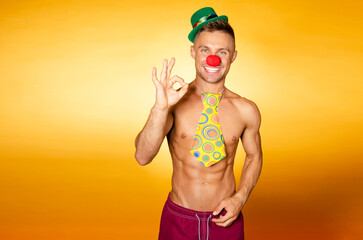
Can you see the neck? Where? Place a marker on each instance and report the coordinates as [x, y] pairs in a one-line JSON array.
[[215, 88]]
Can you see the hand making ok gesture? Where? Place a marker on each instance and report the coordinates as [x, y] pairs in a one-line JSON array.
[[166, 95]]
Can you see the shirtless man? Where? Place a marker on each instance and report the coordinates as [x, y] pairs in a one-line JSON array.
[[203, 202]]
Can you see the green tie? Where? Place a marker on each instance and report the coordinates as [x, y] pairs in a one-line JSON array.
[[208, 145]]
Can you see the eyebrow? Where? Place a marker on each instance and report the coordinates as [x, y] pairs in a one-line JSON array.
[[203, 46]]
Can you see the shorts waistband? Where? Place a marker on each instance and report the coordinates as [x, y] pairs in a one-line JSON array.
[[189, 213]]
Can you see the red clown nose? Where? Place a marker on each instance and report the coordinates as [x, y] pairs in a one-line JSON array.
[[213, 60]]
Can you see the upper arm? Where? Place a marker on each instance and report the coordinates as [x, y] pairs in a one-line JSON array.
[[251, 139]]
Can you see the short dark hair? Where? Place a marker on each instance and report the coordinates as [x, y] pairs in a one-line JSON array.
[[218, 25]]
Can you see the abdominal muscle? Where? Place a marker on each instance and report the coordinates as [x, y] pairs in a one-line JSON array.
[[201, 188]]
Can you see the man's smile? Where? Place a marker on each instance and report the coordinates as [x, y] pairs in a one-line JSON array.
[[212, 69]]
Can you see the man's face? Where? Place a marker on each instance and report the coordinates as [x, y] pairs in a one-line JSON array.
[[213, 43]]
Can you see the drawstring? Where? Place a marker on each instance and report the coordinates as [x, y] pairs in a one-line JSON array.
[[207, 226], [198, 225]]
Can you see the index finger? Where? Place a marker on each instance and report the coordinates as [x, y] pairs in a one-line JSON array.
[[164, 70], [222, 219], [170, 67]]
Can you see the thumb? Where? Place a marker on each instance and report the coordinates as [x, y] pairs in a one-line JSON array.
[[219, 208]]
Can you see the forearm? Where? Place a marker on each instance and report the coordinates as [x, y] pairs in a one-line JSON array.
[[250, 174], [150, 138]]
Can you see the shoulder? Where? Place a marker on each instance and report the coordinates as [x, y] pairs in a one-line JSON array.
[[248, 109]]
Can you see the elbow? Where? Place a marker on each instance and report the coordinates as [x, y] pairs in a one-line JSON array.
[[142, 163], [141, 160]]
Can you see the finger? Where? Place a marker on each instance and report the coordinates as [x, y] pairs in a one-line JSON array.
[[154, 74], [154, 77], [227, 223], [163, 72], [178, 79], [171, 65], [222, 219], [219, 208], [182, 90]]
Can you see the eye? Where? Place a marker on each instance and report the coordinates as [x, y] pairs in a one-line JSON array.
[[222, 52], [204, 50]]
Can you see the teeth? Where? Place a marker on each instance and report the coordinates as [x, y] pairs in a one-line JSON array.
[[209, 69]]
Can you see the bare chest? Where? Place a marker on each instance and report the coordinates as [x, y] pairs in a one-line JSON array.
[[186, 119]]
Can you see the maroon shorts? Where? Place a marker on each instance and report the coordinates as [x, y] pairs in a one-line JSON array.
[[180, 223]]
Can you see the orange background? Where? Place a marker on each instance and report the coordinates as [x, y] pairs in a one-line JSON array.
[[76, 89]]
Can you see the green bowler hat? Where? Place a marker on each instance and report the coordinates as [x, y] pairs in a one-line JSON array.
[[201, 17]]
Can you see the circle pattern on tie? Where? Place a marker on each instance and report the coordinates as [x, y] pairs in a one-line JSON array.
[[212, 100], [203, 119], [215, 118], [216, 155], [208, 147], [219, 144], [197, 142], [203, 96], [211, 132], [205, 158], [209, 110]]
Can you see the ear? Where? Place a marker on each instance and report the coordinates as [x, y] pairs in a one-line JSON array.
[[192, 51], [234, 55]]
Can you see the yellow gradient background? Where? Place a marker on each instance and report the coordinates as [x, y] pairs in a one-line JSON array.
[[75, 89]]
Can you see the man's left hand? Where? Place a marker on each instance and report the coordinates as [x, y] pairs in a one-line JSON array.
[[233, 206]]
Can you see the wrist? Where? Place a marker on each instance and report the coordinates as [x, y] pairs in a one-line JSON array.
[[241, 196], [160, 109]]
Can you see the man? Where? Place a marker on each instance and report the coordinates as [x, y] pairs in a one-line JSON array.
[[203, 122]]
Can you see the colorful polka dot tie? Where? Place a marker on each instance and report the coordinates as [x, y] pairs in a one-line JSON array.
[[208, 145]]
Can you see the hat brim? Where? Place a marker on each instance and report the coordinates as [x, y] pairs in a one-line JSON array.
[[192, 34]]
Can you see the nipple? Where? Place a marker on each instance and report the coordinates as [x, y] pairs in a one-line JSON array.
[[213, 60]]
